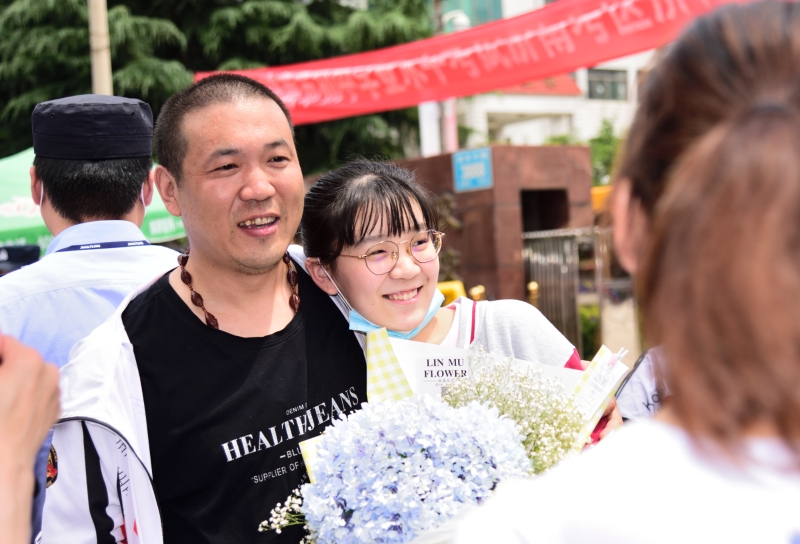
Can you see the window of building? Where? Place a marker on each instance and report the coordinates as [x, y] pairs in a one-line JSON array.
[[545, 209], [608, 84], [478, 11]]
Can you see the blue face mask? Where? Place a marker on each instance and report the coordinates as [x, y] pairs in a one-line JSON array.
[[361, 324]]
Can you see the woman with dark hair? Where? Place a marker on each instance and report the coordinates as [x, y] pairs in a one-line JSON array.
[[370, 233], [706, 210]]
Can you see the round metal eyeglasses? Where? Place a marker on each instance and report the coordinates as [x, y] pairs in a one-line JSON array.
[[383, 256]]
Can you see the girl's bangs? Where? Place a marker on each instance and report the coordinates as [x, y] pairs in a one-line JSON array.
[[390, 208]]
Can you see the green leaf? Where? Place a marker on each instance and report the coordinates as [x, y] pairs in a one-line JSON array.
[[28, 13], [141, 34], [238, 63], [604, 150], [301, 33], [24, 103], [142, 77]]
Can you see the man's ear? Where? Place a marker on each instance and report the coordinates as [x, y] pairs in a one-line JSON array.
[[147, 188], [630, 225], [36, 187], [320, 277], [167, 187]]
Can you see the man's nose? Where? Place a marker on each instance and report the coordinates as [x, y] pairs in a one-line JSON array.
[[257, 185]]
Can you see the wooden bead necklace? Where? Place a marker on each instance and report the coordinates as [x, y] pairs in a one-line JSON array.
[[197, 300]]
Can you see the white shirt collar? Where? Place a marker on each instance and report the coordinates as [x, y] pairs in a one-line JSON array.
[[96, 232]]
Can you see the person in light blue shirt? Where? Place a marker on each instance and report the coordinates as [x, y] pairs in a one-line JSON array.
[[92, 179]]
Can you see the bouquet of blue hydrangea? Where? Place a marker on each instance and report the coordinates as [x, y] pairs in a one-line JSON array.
[[394, 470]]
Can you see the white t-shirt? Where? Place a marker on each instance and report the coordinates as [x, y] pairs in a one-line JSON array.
[[638, 397], [648, 484]]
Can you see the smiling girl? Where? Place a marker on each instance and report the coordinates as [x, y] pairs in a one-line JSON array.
[[370, 233]]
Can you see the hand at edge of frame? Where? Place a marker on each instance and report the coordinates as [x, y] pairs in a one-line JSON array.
[[614, 418], [29, 402]]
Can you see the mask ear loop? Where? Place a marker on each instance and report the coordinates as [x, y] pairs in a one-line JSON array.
[[41, 194], [144, 206], [338, 291]]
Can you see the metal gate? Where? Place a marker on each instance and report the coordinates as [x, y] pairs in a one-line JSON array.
[[551, 260]]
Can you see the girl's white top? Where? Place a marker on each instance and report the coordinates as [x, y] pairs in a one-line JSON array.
[[510, 328], [648, 484]]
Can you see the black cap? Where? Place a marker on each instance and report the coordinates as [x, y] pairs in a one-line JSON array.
[[14, 257], [92, 127]]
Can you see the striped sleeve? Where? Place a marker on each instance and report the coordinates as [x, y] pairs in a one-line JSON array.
[[82, 505], [97, 492]]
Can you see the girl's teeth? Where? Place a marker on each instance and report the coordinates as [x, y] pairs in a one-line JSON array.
[[408, 295]]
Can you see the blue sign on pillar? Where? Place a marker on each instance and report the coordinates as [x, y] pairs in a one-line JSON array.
[[472, 170]]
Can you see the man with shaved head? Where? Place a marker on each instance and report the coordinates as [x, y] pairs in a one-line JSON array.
[[187, 407]]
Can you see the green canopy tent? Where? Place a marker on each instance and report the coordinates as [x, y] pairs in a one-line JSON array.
[[21, 223]]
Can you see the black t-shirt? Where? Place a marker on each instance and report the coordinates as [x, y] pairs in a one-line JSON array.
[[225, 414]]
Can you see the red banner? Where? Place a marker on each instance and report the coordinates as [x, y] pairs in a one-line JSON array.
[[560, 38]]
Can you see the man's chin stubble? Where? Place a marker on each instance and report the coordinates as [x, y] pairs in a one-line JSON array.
[[255, 267]]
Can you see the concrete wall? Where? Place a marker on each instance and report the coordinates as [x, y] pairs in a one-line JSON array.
[[490, 240]]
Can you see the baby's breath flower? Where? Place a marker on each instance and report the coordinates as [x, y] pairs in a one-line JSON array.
[[546, 415], [285, 515]]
